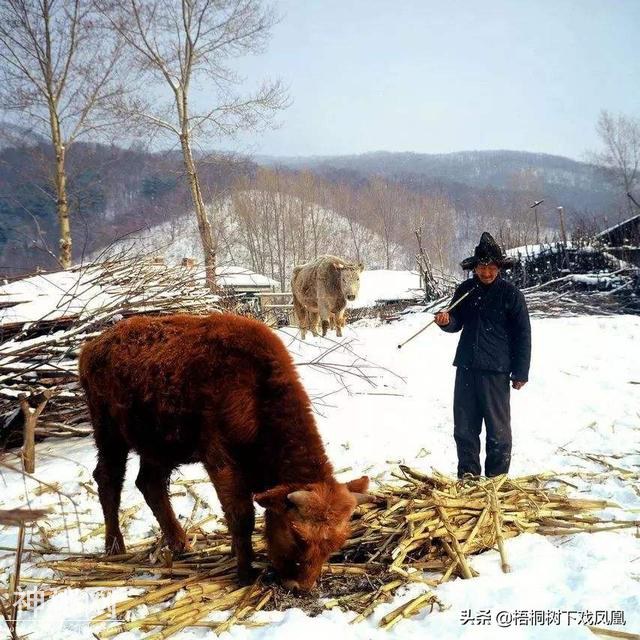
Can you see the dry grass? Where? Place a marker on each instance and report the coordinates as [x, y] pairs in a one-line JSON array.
[[422, 529]]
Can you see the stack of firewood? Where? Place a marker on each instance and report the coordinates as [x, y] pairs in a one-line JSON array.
[[40, 354]]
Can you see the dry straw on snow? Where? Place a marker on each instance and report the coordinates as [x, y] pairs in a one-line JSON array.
[[423, 530]]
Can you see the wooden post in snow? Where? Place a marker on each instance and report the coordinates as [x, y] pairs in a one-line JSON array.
[[31, 415], [562, 229]]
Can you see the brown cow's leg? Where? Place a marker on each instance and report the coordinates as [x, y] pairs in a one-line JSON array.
[[237, 504], [109, 475], [153, 482]]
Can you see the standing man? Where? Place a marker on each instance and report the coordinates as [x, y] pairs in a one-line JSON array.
[[495, 346]]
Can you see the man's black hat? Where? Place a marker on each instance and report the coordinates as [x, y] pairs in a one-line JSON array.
[[486, 252]]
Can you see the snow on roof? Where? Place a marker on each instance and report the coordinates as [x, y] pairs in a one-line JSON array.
[[50, 296], [619, 224], [534, 250], [231, 276], [385, 285]]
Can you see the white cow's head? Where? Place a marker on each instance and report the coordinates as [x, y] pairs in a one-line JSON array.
[[349, 275]]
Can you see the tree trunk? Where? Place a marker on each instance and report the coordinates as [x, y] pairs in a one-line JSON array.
[[204, 226], [62, 205], [60, 180]]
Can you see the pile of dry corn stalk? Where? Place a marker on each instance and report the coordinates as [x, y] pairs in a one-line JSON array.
[[423, 530]]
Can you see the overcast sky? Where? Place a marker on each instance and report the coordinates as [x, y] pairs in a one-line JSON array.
[[437, 76]]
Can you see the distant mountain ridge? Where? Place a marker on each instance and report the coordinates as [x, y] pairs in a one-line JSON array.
[[576, 184]]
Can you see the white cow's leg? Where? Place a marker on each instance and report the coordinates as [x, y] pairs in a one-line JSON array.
[[301, 316], [340, 322], [325, 314], [314, 320]]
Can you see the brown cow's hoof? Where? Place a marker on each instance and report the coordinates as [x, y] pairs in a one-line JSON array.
[[178, 545], [247, 575], [114, 545]]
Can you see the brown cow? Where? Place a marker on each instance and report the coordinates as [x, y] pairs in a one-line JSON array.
[[221, 390], [320, 291]]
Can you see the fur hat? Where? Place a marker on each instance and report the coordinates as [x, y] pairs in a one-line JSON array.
[[486, 252]]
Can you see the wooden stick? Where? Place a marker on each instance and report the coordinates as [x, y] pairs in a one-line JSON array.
[[497, 522], [453, 306], [467, 543], [466, 571], [14, 582], [407, 609], [31, 416]]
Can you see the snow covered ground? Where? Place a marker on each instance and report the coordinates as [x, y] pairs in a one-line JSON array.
[[583, 396]]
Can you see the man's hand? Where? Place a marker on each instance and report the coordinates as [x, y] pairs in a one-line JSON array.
[[518, 384], [442, 318]]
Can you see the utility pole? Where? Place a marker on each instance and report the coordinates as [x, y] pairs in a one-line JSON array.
[[562, 229], [535, 211]]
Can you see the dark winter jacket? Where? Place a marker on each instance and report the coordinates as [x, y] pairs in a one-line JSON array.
[[496, 333]]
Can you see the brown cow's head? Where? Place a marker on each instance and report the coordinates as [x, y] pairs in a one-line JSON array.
[[303, 526], [349, 275]]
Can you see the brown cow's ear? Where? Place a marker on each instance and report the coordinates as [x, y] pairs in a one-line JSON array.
[[274, 499], [363, 498], [338, 265], [300, 498], [359, 485]]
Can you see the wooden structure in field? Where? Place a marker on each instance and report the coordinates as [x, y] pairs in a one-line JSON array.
[[623, 240], [277, 308]]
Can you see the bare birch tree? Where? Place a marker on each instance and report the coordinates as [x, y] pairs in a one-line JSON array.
[[620, 136], [387, 205], [59, 72], [179, 45]]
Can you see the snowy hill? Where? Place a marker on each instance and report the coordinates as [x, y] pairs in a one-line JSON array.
[[243, 243]]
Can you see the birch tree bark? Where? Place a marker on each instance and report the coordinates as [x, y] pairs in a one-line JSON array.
[[59, 72], [185, 47]]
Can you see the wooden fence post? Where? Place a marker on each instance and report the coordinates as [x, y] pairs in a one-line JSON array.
[[31, 415]]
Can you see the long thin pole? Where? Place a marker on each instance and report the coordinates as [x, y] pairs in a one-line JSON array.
[[562, 229], [453, 306]]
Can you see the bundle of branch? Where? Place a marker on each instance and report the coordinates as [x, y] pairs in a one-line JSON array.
[[580, 294], [40, 352], [422, 531]]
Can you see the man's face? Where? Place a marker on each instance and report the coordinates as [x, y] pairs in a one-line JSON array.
[[487, 273]]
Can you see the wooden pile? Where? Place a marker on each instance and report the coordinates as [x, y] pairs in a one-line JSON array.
[[563, 296], [41, 354], [421, 531], [576, 278]]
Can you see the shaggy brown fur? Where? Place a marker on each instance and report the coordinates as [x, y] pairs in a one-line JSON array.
[[221, 390]]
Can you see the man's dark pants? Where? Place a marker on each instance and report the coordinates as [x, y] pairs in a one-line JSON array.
[[482, 395]]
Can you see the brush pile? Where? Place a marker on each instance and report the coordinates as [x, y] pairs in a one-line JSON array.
[[421, 531], [575, 278], [45, 319]]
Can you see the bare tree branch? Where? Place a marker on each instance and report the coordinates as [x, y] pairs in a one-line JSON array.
[[179, 43]]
